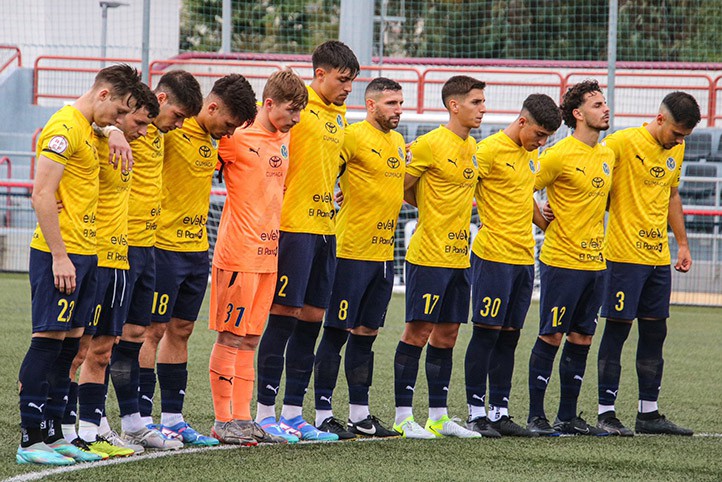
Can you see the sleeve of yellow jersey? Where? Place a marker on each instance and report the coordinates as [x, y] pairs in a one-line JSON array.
[[678, 170], [615, 143], [421, 158], [348, 149], [550, 167], [485, 159], [58, 143]]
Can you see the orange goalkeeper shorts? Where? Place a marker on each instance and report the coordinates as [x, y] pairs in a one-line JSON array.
[[240, 301]]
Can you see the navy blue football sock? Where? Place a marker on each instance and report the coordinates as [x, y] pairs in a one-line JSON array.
[[41, 355], [541, 364], [125, 371], [609, 366], [501, 368], [572, 366], [359, 368], [59, 380], [91, 398], [476, 364], [650, 364], [71, 408], [406, 369], [439, 362], [173, 381], [299, 361], [271, 352], [146, 391], [326, 365]]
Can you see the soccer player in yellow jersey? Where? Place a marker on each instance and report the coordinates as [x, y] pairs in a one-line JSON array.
[[105, 322], [307, 245], [181, 245], [644, 199], [373, 185], [180, 98], [63, 260], [577, 174], [255, 162], [502, 261], [440, 180]]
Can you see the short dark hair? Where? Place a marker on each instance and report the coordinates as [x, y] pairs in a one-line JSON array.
[[543, 110], [380, 84], [237, 95], [683, 108], [459, 86], [121, 78], [286, 86], [183, 90], [333, 54], [574, 98], [144, 97]]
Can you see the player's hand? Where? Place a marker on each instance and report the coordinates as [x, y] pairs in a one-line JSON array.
[[64, 274], [119, 151], [339, 197], [684, 259], [547, 212]]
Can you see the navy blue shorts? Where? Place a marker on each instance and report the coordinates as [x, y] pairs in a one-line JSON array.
[[180, 285], [306, 266], [111, 303], [51, 310], [438, 295], [569, 300], [500, 292], [141, 284], [361, 294], [636, 291]]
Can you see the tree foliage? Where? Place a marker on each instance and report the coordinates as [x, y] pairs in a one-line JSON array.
[[648, 30]]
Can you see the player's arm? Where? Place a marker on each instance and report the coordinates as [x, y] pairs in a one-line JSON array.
[[675, 218], [47, 179], [539, 219], [119, 151], [410, 189]]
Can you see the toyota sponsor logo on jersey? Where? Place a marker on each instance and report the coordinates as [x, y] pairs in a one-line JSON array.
[[598, 182], [275, 162], [393, 162], [331, 127], [205, 151], [657, 172], [468, 173]]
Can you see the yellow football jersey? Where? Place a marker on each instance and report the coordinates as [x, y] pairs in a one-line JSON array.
[[316, 141], [644, 174], [111, 216], [577, 178], [189, 161], [373, 188], [447, 170], [505, 201], [67, 139], [145, 190]]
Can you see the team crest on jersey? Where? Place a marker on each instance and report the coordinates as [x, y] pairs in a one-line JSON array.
[[532, 167], [409, 157], [58, 144], [401, 153], [339, 120], [473, 160], [284, 151], [671, 163], [605, 168], [214, 143]]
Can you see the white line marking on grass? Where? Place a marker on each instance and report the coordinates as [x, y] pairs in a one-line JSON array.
[[157, 455]]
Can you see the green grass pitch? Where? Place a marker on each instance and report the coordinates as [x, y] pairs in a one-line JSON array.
[[691, 396]]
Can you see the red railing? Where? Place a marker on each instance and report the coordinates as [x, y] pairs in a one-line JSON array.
[[677, 81], [39, 69], [6, 161], [15, 56], [417, 82]]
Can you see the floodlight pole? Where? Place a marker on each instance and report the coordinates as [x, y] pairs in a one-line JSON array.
[[226, 27], [612, 58], [104, 6], [145, 49]]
